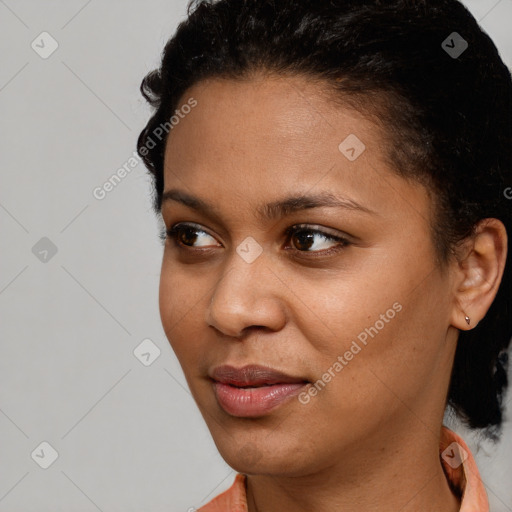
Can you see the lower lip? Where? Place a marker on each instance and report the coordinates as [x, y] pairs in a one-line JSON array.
[[247, 402]]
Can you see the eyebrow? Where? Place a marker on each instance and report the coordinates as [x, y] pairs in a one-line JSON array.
[[273, 210]]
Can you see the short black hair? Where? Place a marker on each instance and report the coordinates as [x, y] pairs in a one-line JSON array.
[[445, 99]]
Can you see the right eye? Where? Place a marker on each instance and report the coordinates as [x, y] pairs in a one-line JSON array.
[[185, 235]]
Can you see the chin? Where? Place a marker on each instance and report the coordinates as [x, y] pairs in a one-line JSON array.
[[261, 458]]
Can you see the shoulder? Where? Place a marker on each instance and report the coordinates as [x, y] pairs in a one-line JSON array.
[[462, 472]]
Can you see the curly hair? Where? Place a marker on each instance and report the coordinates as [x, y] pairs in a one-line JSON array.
[[448, 120]]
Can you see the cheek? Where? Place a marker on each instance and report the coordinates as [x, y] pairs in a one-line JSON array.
[[383, 358], [375, 334], [169, 292], [181, 304], [358, 303]]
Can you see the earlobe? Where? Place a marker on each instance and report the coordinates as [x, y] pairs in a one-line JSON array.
[[468, 325], [479, 273]]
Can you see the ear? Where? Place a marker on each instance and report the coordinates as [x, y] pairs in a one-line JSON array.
[[479, 272]]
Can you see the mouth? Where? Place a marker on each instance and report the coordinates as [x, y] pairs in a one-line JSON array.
[[253, 390], [252, 375]]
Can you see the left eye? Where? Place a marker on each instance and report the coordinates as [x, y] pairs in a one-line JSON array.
[[306, 238]]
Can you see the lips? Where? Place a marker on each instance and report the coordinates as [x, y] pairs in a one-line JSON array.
[[253, 390], [252, 376]]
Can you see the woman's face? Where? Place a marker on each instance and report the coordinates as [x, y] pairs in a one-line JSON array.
[[362, 325]]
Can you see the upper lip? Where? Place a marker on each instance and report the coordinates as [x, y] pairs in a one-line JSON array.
[[251, 375]]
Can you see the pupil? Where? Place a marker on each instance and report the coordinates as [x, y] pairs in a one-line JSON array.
[[306, 238], [188, 231]]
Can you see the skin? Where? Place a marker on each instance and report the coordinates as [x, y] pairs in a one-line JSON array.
[[369, 440]]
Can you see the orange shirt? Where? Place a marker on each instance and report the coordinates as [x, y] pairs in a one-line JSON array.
[[457, 461]]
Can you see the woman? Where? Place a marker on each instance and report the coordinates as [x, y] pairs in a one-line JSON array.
[[333, 176]]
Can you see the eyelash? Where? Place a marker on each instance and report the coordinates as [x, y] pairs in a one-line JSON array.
[[173, 232]]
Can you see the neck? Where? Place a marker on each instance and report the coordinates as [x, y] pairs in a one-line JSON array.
[[400, 472]]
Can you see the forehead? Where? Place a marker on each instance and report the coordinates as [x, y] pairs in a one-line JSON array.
[[254, 141], [266, 112]]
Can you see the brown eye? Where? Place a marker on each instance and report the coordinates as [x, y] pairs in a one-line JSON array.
[[305, 238], [187, 234]]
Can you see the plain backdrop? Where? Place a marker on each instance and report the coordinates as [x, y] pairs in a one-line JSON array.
[[79, 275]]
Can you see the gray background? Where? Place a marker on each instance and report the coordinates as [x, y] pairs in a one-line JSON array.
[[129, 437]]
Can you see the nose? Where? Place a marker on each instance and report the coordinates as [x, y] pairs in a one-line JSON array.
[[246, 297]]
